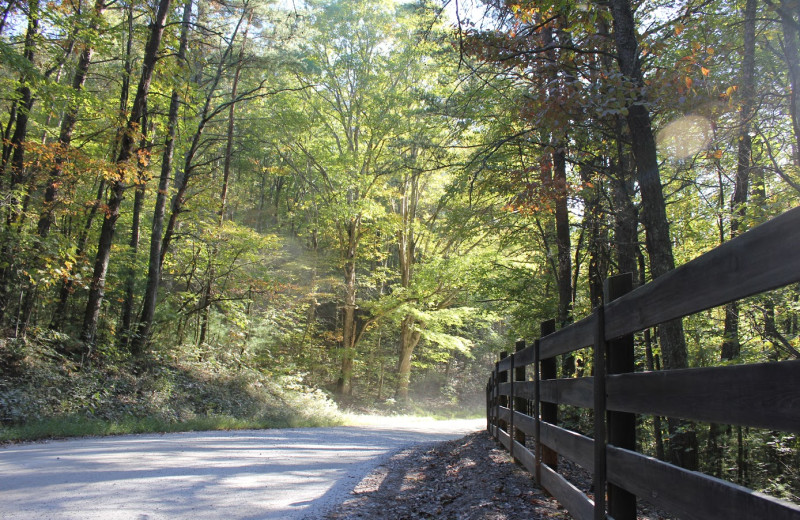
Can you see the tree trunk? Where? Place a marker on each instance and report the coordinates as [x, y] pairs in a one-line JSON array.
[[68, 127], [406, 255], [13, 155], [791, 41], [150, 298], [730, 343], [563, 244], [349, 333], [97, 288], [183, 177], [133, 245], [409, 339], [683, 442]]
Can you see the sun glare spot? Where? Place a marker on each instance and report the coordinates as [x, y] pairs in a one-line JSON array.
[[685, 137]]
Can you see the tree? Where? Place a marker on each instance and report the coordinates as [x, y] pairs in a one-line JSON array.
[[118, 183]]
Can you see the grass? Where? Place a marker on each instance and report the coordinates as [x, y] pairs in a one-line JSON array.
[[73, 426]]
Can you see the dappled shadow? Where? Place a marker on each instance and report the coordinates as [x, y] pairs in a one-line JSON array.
[[240, 474]]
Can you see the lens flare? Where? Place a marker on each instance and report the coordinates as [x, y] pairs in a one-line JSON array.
[[685, 137]]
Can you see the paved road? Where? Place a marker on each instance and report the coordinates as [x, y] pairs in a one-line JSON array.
[[246, 475]]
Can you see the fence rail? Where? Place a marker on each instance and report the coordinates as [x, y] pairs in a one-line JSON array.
[[763, 395]]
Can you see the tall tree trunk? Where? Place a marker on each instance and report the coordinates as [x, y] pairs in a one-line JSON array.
[[683, 441], [208, 289], [563, 243], [730, 343], [133, 243], [183, 177], [406, 253], [97, 288], [150, 298], [68, 123], [597, 239], [409, 339], [13, 156], [791, 41], [59, 314], [344, 385]]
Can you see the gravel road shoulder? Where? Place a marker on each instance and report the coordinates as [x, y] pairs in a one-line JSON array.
[[465, 479]]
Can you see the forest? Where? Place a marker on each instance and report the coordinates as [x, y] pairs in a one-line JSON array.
[[250, 212]]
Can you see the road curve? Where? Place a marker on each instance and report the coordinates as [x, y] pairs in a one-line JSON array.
[[247, 475]]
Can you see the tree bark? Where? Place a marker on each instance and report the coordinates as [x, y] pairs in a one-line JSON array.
[[97, 288], [133, 243], [406, 253], [344, 386], [68, 123], [683, 443], [150, 298], [13, 155], [791, 41], [730, 343]]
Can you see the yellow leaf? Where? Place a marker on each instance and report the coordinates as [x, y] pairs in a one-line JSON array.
[[704, 70], [689, 82], [678, 29]]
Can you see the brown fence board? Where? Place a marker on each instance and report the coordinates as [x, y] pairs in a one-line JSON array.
[[525, 456], [578, 335], [572, 445], [524, 357], [578, 504], [689, 494], [573, 391], [504, 414], [525, 390], [504, 438], [764, 258], [763, 395], [526, 423]]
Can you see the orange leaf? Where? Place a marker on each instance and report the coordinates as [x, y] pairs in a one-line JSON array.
[[689, 82], [678, 29], [704, 70]]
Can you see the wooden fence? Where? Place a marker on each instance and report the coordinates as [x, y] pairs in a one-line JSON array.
[[523, 414]]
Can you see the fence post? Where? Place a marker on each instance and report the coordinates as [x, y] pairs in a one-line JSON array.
[[621, 425], [537, 445], [489, 404], [520, 403], [599, 390], [495, 401], [503, 400], [511, 408], [549, 411]]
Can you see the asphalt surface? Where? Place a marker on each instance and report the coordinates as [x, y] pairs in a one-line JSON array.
[[289, 474]]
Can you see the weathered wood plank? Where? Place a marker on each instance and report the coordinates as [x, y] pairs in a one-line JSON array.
[[572, 445], [526, 423], [689, 494], [763, 395], [525, 457], [504, 438], [504, 389], [504, 364], [578, 504], [503, 413], [578, 335], [524, 357], [764, 258], [573, 391], [525, 390]]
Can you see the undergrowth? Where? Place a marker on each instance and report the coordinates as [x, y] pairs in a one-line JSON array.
[[46, 393]]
